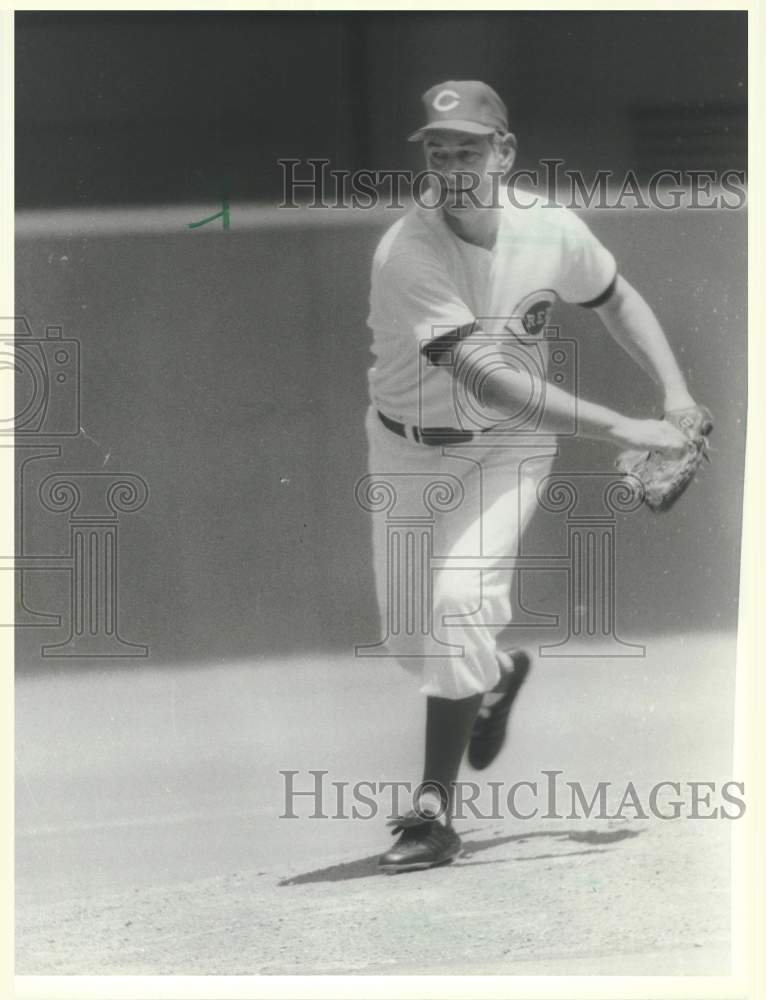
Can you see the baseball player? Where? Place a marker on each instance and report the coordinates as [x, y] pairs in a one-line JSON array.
[[456, 281]]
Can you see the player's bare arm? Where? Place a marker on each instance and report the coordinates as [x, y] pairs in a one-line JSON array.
[[497, 384], [631, 322]]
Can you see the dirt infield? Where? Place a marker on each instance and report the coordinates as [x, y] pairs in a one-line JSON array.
[[149, 837]]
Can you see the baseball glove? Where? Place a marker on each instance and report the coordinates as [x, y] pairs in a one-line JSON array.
[[664, 479]]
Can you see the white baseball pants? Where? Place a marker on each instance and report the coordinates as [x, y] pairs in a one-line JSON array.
[[446, 504]]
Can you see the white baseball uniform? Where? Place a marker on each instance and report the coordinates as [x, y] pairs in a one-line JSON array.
[[426, 281]]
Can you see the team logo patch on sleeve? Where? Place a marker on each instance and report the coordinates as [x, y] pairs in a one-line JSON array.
[[534, 312]]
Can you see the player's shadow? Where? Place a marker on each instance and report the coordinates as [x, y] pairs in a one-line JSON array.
[[365, 867]]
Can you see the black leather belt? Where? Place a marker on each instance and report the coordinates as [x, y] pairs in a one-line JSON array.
[[432, 436]]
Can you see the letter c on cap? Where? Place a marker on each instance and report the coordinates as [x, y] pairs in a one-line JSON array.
[[446, 100]]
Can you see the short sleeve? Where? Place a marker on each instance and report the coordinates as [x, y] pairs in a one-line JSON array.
[[588, 269], [415, 294]]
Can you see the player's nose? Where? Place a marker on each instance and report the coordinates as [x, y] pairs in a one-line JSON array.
[[453, 176]]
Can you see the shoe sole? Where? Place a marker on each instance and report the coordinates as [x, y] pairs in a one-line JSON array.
[[420, 865]]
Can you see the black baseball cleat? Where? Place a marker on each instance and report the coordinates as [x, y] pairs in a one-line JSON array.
[[424, 843], [490, 727]]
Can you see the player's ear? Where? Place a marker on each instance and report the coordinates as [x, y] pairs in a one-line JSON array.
[[507, 147]]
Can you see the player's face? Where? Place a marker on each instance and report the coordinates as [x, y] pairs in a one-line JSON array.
[[467, 164]]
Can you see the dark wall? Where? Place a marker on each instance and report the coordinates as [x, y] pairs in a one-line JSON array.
[[228, 370], [124, 107]]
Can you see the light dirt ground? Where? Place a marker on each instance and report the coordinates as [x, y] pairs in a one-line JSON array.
[[149, 837]]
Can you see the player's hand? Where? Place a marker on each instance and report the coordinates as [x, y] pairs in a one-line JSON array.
[[650, 435]]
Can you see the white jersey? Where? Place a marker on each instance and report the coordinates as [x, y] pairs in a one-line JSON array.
[[426, 281]]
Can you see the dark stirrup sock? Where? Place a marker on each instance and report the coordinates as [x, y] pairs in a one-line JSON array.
[[448, 729]]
